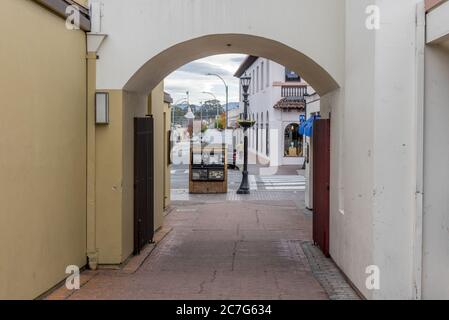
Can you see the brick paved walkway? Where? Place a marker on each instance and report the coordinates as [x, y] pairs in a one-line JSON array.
[[328, 274], [222, 250]]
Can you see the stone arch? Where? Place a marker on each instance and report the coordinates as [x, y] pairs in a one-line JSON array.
[[157, 68]]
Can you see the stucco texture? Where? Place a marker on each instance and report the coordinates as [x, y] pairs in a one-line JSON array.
[[43, 143], [115, 171]]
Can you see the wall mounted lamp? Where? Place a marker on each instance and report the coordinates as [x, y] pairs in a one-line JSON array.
[[102, 108]]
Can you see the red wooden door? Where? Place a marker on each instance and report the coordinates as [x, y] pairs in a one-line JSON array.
[[321, 184]]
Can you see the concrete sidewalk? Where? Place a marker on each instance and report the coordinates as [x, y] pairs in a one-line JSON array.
[[226, 250]]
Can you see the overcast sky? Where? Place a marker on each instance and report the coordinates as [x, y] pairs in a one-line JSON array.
[[192, 77]]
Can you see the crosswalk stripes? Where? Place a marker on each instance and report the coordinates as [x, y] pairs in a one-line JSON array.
[[291, 183], [179, 171], [252, 182], [273, 183]]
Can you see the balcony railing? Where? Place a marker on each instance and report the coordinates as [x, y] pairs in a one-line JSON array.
[[293, 91]]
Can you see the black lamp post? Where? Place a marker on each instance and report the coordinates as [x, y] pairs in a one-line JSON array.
[[245, 124]]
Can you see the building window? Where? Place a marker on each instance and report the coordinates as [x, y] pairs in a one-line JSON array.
[[291, 76], [257, 134], [253, 82], [253, 133], [267, 138], [262, 70], [292, 141], [257, 79], [261, 133], [268, 73]]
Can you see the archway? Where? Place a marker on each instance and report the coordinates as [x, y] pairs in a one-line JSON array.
[[167, 61], [135, 99]]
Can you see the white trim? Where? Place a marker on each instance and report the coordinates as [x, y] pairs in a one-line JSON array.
[[419, 116], [438, 23]]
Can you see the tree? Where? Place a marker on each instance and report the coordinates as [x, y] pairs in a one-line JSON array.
[[220, 123]]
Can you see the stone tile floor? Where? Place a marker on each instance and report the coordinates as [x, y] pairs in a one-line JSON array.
[[220, 250]]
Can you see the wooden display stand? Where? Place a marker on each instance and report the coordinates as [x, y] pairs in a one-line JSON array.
[[208, 169]]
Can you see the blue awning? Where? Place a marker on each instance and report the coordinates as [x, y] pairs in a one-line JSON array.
[[306, 129], [302, 128]]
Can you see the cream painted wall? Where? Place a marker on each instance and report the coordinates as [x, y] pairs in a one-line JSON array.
[[115, 171], [115, 177], [134, 106], [156, 108], [43, 143], [109, 179], [247, 33], [84, 3]]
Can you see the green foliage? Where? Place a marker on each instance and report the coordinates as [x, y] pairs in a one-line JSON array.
[[220, 123]]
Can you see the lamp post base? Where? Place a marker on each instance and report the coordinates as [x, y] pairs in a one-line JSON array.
[[244, 187]]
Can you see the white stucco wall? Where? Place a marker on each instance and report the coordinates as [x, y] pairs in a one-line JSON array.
[[262, 99], [395, 138], [373, 175], [436, 175], [140, 32]]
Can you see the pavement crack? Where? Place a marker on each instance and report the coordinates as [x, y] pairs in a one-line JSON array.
[[203, 283], [72, 292], [234, 253]]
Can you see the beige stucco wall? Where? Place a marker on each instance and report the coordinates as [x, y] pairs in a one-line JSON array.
[[115, 177], [109, 164], [115, 171], [84, 3], [157, 108], [134, 106], [43, 143]]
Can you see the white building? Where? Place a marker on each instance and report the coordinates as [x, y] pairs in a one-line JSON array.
[[278, 99]]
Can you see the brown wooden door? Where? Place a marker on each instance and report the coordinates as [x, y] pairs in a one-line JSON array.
[[321, 184], [143, 183]]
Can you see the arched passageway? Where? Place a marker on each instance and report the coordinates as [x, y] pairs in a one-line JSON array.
[[157, 68], [370, 168], [137, 98]]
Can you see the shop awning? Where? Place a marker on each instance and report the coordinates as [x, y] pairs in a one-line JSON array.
[[291, 104], [306, 128]]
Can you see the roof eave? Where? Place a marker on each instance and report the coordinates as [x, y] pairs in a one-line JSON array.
[[248, 62], [59, 7]]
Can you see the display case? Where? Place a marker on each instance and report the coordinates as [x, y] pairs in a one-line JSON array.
[[208, 168]]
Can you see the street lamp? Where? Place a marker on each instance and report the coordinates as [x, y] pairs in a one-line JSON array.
[[227, 94], [245, 124]]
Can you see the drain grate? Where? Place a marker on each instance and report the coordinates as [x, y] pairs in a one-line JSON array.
[[328, 274]]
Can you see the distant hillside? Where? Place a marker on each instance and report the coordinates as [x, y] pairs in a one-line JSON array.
[[232, 105]]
